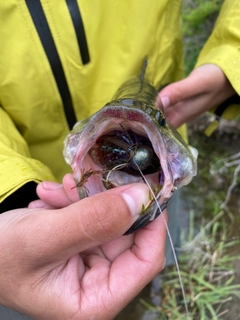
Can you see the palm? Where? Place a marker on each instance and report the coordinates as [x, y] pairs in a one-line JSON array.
[[98, 277]]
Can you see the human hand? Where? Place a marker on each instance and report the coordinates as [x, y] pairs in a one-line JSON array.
[[205, 88], [73, 263]]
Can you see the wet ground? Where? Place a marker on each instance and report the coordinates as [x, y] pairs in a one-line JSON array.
[[223, 143]]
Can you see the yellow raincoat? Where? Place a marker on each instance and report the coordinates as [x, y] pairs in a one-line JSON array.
[[62, 60]]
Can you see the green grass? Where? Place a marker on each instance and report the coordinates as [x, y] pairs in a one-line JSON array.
[[207, 274]]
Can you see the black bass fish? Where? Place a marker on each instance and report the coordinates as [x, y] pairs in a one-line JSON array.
[[127, 141]]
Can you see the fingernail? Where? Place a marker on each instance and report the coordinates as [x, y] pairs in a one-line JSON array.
[[165, 101], [49, 185], [136, 196]]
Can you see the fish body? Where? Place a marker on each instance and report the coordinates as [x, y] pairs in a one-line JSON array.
[[129, 140]]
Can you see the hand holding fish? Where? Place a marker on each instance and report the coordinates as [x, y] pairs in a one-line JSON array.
[[205, 87], [73, 262]]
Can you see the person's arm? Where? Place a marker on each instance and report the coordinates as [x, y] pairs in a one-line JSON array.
[[217, 73], [74, 263]]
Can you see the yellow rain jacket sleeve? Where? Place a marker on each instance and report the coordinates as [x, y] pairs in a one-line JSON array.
[[17, 166], [34, 108], [223, 49]]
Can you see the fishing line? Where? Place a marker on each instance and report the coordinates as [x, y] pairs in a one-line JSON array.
[[170, 239]]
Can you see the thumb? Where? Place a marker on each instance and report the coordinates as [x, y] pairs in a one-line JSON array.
[[88, 222]]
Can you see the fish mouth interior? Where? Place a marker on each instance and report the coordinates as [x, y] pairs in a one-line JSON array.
[[121, 156], [125, 151]]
